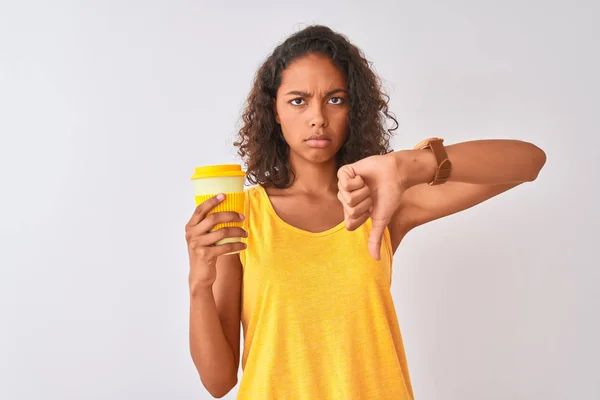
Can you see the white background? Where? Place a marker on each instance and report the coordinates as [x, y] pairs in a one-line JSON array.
[[107, 106]]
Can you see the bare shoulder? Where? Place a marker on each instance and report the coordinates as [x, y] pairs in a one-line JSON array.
[[227, 291]]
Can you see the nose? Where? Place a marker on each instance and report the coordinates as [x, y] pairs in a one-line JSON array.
[[318, 118]]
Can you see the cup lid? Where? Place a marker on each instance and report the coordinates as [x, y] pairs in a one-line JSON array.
[[214, 171]]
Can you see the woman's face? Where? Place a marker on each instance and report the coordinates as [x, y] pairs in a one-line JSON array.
[[312, 108]]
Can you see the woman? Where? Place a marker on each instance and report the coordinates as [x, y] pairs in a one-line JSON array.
[[311, 280]]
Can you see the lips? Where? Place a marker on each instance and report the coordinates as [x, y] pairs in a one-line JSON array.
[[319, 137], [318, 143]]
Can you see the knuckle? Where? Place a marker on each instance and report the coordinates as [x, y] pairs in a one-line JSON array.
[[212, 219], [346, 197], [231, 216], [222, 216], [231, 232], [231, 247], [202, 252], [216, 215], [237, 245], [194, 247], [237, 232]]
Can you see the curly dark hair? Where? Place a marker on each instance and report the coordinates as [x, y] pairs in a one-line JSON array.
[[260, 141]]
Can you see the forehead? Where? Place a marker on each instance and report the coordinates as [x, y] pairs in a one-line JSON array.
[[312, 72]]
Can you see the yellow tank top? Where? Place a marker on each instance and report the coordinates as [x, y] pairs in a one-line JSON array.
[[318, 317]]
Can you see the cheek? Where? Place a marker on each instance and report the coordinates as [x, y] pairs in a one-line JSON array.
[[287, 123], [340, 119], [289, 119]]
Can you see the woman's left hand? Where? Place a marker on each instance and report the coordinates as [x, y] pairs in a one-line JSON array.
[[370, 188]]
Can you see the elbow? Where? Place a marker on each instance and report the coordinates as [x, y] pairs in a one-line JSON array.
[[538, 161], [219, 394], [220, 389]]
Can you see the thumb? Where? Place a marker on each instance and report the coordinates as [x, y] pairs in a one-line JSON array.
[[376, 236]]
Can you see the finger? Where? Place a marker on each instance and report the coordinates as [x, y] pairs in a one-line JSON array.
[[359, 209], [209, 239], [357, 196], [214, 219], [375, 237], [346, 217], [346, 171], [227, 248], [353, 223], [348, 182], [203, 208]]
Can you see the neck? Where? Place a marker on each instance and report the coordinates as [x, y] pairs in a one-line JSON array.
[[314, 178]]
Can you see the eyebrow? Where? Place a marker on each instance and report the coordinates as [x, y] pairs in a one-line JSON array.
[[305, 94]]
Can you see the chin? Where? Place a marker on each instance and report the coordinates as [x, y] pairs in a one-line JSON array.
[[315, 156], [322, 160], [320, 156]]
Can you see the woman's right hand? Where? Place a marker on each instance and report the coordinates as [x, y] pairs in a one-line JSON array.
[[201, 242]]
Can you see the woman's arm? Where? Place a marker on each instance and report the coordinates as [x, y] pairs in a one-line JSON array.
[[394, 187], [480, 170], [215, 327]]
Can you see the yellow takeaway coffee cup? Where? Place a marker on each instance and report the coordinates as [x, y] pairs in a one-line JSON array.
[[211, 180]]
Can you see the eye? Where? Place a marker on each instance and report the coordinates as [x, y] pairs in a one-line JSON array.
[[296, 102], [336, 100]]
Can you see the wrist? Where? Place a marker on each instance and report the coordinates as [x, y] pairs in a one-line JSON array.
[[414, 167], [200, 291]]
